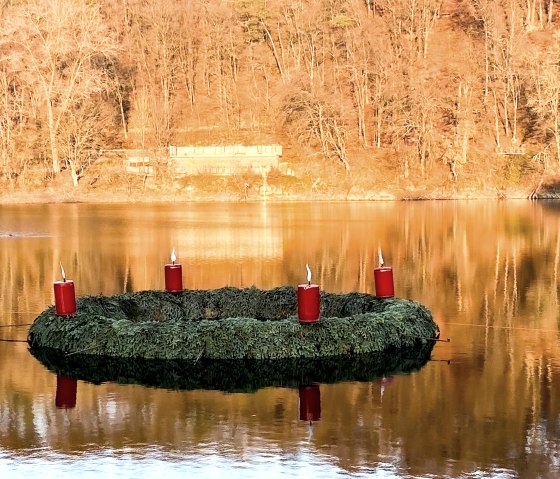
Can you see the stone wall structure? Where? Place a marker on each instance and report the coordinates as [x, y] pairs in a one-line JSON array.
[[211, 160]]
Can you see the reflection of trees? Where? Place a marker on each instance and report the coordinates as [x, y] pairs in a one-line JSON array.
[[488, 271], [501, 262], [418, 420]]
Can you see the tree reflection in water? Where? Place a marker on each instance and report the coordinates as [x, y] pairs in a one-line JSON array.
[[488, 271]]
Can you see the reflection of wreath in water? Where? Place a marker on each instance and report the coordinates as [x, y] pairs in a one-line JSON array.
[[232, 324], [233, 375]]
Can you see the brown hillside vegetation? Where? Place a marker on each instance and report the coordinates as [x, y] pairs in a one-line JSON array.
[[369, 98]]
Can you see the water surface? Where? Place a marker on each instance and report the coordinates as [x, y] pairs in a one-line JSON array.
[[486, 405]]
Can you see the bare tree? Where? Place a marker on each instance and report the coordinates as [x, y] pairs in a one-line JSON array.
[[511, 68], [537, 14], [544, 92], [502, 27], [120, 87], [369, 73], [358, 68], [9, 112], [85, 130], [463, 122], [55, 46], [314, 121], [416, 121], [410, 23], [483, 13], [155, 48], [189, 46], [295, 34]]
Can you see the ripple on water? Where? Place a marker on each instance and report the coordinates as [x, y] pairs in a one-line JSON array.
[[15, 234], [151, 461]]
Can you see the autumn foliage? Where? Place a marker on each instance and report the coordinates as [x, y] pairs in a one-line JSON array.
[[421, 88]]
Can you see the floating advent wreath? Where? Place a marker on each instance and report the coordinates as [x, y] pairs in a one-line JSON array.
[[232, 324]]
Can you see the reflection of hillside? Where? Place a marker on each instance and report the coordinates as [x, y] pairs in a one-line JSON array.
[[411, 418], [219, 245], [550, 206], [230, 242], [480, 252]]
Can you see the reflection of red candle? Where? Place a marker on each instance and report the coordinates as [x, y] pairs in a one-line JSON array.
[[64, 296], [383, 275], [173, 275], [308, 301], [66, 390], [309, 403]]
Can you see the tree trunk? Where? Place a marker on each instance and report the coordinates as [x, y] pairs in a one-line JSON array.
[[53, 140], [75, 176], [274, 51], [486, 63], [496, 121], [557, 138]]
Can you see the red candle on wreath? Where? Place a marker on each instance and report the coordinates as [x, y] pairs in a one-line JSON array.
[[173, 275], [383, 275], [309, 403], [308, 300], [66, 391], [64, 296]]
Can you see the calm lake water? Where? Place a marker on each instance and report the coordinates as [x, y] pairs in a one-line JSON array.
[[487, 404]]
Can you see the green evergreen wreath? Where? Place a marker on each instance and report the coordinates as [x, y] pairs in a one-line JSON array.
[[232, 323]]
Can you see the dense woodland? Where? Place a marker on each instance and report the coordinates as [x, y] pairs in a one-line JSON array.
[[424, 89]]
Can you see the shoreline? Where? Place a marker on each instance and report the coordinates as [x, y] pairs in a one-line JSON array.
[[114, 189], [51, 197]]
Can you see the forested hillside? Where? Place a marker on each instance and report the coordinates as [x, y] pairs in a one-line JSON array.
[[421, 92]]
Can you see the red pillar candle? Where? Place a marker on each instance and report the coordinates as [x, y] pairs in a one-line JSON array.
[[173, 275], [383, 275], [309, 403], [173, 278], [66, 391], [64, 297], [384, 287], [308, 300]]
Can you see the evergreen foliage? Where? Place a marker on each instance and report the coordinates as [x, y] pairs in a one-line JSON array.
[[232, 323]]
